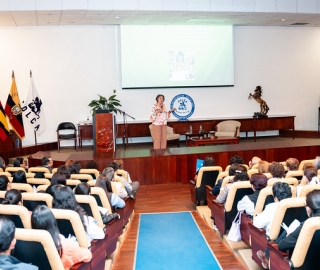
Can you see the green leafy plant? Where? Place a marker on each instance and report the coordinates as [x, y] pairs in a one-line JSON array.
[[111, 104]]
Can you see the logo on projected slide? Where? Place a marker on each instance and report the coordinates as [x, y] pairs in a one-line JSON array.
[[184, 106]]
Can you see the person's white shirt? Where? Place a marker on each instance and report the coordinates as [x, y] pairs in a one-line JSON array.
[[245, 204], [120, 190], [314, 181], [93, 230], [265, 218]]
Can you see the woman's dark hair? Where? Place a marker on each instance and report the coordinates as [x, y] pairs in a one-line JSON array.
[[92, 165], [113, 165], [82, 189], [75, 168], [236, 159], [43, 219], [281, 190], [157, 97], [19, 177], [52, 189], [258, 181], [232, 169], [310, 172], [12, 196], [2, 163], [7, 231], [63, 169], [58, 178], [241, 174], [64, 198], [4, 180], [277, 170], [16, 163], [313, 202], [105, 184], [208, 161]]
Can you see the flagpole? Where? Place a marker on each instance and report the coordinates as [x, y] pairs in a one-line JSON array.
[[12, 76], [35, 133]]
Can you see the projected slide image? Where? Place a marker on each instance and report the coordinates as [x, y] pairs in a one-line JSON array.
[[181, 65]]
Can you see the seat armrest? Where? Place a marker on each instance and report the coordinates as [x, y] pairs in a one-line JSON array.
[[258, 241], [218, 214], [278, 259], [208, 187], [192, 182]]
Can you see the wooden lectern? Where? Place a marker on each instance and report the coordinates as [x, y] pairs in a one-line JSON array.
[[103, 128]]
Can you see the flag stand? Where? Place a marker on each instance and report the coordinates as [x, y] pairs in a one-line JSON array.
[[35, 138]]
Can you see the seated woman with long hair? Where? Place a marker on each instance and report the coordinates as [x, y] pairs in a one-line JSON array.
[[240, 175], [104, 181], [69, 251], [13, 196], [64, 198], [19, 177]]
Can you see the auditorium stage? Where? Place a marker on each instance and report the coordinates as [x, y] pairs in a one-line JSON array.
[[177, 165]]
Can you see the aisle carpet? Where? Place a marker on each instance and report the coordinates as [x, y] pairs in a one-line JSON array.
[[172, 241]]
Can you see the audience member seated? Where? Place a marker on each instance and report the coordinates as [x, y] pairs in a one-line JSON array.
[[85, 189], [208, 161], [310, 177], [255, 160], [247, 204], [135, 184], [58, 178], [64, 198], [240, 175], [19, 177], [236, 159], [19, 162], [69, 250], [52, 189], [104, 181], [63, 169], [69, 162], [13, 196], [292, 164], [263, 166], [47, 162], [121, 191], [2, 164], [92, 165], [232, 171], [287, 240], [280, 190], [4, 183], [75, 168], [7, 245], [277, 170], [317, 163], [129, 188]]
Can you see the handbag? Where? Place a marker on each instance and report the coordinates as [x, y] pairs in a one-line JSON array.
[[234, 232]]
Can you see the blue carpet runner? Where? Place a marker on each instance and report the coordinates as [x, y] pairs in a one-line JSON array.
[[172, 241]]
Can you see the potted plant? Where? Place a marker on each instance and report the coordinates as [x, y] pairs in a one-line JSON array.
[[104, 104]]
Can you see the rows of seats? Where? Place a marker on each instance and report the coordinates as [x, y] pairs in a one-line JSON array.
[[104, 251], [220, 216]]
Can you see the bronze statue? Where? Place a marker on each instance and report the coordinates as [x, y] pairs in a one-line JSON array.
[[263, 105]]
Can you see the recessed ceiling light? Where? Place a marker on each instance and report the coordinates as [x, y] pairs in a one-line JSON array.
[[283, 20], [117, 18]]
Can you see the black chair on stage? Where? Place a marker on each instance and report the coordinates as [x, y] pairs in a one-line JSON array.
[[67, 131]]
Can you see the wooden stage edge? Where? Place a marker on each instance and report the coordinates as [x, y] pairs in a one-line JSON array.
[[177, 165]]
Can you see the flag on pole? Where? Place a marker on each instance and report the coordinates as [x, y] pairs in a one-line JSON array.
[[33, 110], [13, 110], [4, 127]]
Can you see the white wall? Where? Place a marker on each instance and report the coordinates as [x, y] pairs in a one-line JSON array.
[[72, 64]]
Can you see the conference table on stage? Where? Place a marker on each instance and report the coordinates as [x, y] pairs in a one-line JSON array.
[[248, 124]]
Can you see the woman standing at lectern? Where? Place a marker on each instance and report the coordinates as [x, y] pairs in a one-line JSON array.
[[159, 116]]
